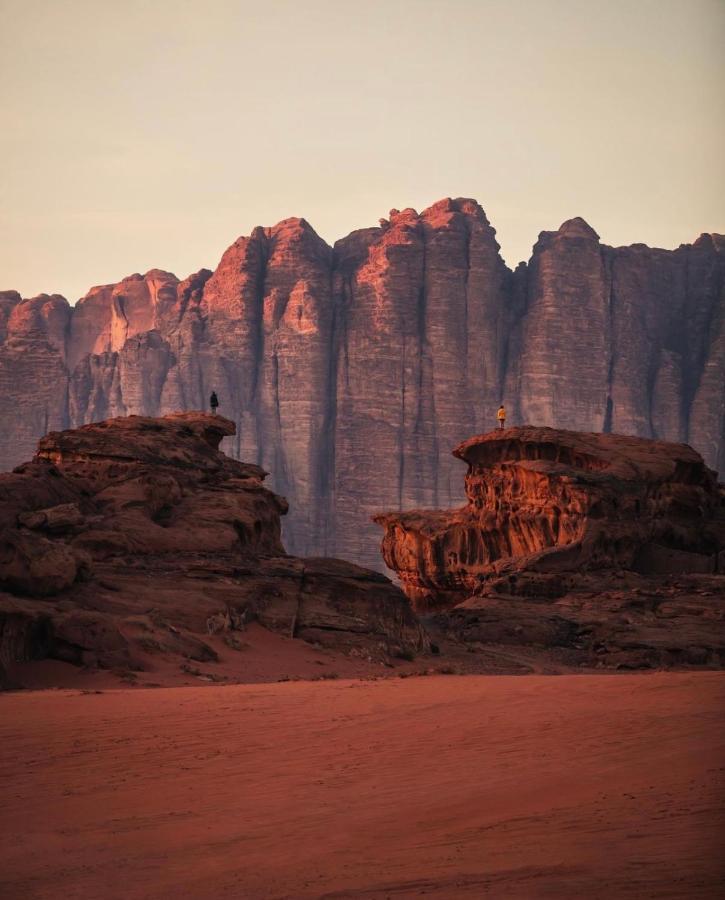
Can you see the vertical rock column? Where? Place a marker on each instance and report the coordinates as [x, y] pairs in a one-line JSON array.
[[231, 343], [118, 359], [705, 384], [648, 294], [423, 323], [33, 375], [561, 376], [383, 449], [267, 314], [466, 320], [293, 394]]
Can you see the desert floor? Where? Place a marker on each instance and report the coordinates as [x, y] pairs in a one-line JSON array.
[[567, 786]]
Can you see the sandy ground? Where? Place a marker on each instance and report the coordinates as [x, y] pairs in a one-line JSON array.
[[264, 656], [486, 787]]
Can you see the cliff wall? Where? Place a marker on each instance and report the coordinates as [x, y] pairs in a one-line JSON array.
[[350, 370]]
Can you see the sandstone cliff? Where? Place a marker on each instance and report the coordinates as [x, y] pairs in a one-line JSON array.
[[137, 536], [349, 371]]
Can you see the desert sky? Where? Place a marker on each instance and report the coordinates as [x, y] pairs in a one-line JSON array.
[[140, 135]]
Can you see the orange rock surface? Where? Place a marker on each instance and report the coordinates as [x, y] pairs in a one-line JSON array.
[[605, 549], [547, 500]]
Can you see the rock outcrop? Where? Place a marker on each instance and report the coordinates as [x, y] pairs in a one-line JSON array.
[[612, 620], [349, 370], [137, 535], [546, 500], [605, 546]]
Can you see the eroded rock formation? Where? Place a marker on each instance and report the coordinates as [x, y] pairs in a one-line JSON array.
[[137, 535], [546, 500], [600, 545], [350, 370]]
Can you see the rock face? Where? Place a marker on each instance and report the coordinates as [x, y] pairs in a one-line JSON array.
[[137, 534], [545, 500], [593, 543], [349, 370]]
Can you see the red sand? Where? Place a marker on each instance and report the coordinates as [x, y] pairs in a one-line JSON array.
[[505, 787], [266, 656]]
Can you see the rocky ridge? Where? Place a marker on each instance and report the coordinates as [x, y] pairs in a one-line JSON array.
[[350, 370]]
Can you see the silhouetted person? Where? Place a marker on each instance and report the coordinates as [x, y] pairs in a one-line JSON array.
[[213, 402], [501, 416]]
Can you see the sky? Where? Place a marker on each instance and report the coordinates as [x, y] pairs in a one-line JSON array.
[[141, 135]]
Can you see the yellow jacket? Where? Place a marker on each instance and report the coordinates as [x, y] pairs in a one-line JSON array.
[[502, 413]]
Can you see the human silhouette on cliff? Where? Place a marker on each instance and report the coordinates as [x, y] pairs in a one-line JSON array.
[[213, 402], [501, 416]]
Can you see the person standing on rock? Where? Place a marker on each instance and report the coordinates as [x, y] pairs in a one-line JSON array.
[[501, 416], [213, 402]]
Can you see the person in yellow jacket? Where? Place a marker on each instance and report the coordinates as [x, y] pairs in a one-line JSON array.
[[501, 416]]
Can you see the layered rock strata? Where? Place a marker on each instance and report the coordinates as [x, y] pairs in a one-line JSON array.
[[349, 370], [542, 500], [598, 549], [137, 535]]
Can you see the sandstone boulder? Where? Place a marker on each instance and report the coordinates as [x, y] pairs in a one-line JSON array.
[[34, 566], [589, 549], [63, 517]]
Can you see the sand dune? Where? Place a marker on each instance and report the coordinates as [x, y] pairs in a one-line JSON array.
[[510, 787]]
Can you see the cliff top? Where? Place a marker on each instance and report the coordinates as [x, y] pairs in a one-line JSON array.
[[621, 455], [183, 439]]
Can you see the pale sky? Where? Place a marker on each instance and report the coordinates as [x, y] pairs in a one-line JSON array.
[[151, 134]]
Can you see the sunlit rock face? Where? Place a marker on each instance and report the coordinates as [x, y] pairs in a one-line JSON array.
[[349, 371], [543, 503]]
